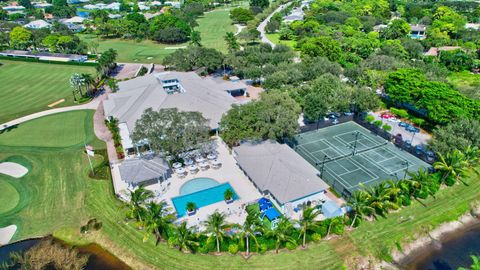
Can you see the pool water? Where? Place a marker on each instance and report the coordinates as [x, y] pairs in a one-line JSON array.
[[197, 184], [201, 198]]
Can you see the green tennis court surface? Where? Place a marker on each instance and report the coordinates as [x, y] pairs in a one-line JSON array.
[[348, 155]]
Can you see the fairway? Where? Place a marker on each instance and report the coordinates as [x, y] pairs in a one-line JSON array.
[[28, 87], [9, 196], [349, 156], [212, 26]]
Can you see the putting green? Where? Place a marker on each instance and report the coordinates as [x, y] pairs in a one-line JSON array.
[[9, 198]]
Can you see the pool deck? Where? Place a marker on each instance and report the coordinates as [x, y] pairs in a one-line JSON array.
[[229, 172]]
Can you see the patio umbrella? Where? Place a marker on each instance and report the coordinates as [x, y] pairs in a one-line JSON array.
[[188, 162], [211, 156], [200, 159], [203, 165], [180, 170], [177, 165], [192, 168]]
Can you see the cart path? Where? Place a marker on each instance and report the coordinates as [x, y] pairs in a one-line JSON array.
[[263, 24]]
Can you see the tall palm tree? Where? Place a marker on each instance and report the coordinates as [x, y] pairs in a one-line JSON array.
[[379, 199], [472, 155], [87, 80], [216, 225], [360, 207], [282, 233], [308, 222], [250, 228], [76, 83], [232, 42], [184, 239], [157, 219], [451, 165], [137, 199]]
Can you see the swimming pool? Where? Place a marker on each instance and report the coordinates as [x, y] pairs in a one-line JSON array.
[[197, 184], [202, 197]]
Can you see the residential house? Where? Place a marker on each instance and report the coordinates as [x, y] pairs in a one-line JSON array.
[[38, 24], [418, 31]]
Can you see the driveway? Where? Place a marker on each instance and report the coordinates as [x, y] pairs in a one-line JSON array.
[[419, 138], [262, 25]]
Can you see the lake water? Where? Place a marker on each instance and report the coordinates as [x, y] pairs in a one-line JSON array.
[[98, 258], [455, 252]]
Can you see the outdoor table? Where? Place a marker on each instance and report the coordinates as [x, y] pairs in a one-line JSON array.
[[177, 165], [211, 156]]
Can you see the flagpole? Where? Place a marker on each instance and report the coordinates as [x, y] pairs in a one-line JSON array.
[[89, 161]]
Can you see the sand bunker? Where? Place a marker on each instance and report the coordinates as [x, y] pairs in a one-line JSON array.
[[13, 169], [6, 234]]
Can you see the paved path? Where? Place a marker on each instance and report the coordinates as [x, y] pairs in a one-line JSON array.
[[262, 25], [92, 105]]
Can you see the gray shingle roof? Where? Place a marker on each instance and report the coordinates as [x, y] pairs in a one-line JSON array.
[[278, 169], [201, 94], [138, 170]]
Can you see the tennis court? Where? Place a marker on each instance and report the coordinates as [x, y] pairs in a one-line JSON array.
[[348, 155]]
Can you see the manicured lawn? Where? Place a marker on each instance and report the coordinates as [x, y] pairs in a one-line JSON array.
[[466, 82], [9, 198], [213, 26], [27, 87], [57, 197], [52, 195], [275, 38]]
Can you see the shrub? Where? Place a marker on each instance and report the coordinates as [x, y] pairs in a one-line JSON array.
[[417, 121], [387, 127], [263, 248], [233, 249], [399, 112], [291, 246], [378, 123], [316, 237], [369, 118]]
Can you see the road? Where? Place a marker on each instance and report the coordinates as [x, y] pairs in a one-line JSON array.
[[263, 24]]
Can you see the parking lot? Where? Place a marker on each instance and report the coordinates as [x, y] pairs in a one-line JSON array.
[[421, 138]]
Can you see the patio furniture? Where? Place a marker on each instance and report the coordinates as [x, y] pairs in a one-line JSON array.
[[216, 164], [188, 162], [181, 172], [203, 166], [211, 156], [177, 165], [193, 168], [271, 214], [200, 159]]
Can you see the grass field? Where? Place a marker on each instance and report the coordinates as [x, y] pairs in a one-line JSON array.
[[28, 87], [212, 26], [466, 82], [275, 38], [56, 197]]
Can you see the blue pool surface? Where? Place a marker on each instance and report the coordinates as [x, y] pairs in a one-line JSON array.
[[197, 184], [201, 198]]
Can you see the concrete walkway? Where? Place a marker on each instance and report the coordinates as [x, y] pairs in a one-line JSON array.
[[262, 25]]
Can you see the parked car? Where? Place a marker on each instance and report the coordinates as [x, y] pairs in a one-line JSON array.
[[393, 120], [348, 113], [407, 144], [335, 121], [412, 129], [386, 115], [403, 124]]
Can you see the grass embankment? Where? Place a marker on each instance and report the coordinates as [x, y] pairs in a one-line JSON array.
[[275, 38], [466, 82], [212, 26], [28, 87], [57, 197]]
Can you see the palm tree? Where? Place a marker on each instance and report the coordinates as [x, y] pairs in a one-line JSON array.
[[281, 233], [195, 38], [112, 84], [216, 225], [359, 203], [232, 42], [157, 219], [87, 80], [472, 155], [336, 221], [75, 83], [251, 227], [379, 199], [191, 206], [137, 199], [475, 264], [451, 165], [228, 194], [184, 239], [307, 222]]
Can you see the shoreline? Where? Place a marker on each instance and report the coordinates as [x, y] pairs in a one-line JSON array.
[[433, 240]]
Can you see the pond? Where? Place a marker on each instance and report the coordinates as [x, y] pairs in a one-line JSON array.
[[99, 258], [454, 252]]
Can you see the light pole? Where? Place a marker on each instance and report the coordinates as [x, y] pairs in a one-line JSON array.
[[355, 143], [406, 169], [396, 176], [322, 168]]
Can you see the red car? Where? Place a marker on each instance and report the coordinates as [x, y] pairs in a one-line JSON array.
[[386, 115]]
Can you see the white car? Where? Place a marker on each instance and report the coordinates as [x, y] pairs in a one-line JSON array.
[[393, 120]]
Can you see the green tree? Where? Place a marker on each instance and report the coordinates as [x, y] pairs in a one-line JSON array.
[[194, 57], [250, 229], [26, 3], [172, 132], [158, 219], [195, 38], [456, 135], [456, 60], [216, 225], [475, 264], [184, 239], [360, 206], [20, 38], [397, 29], [232, 42], [308, 222], [137, 201], [452, 166], [241, 15], [282, 233], [262, 4], [322, 46]]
